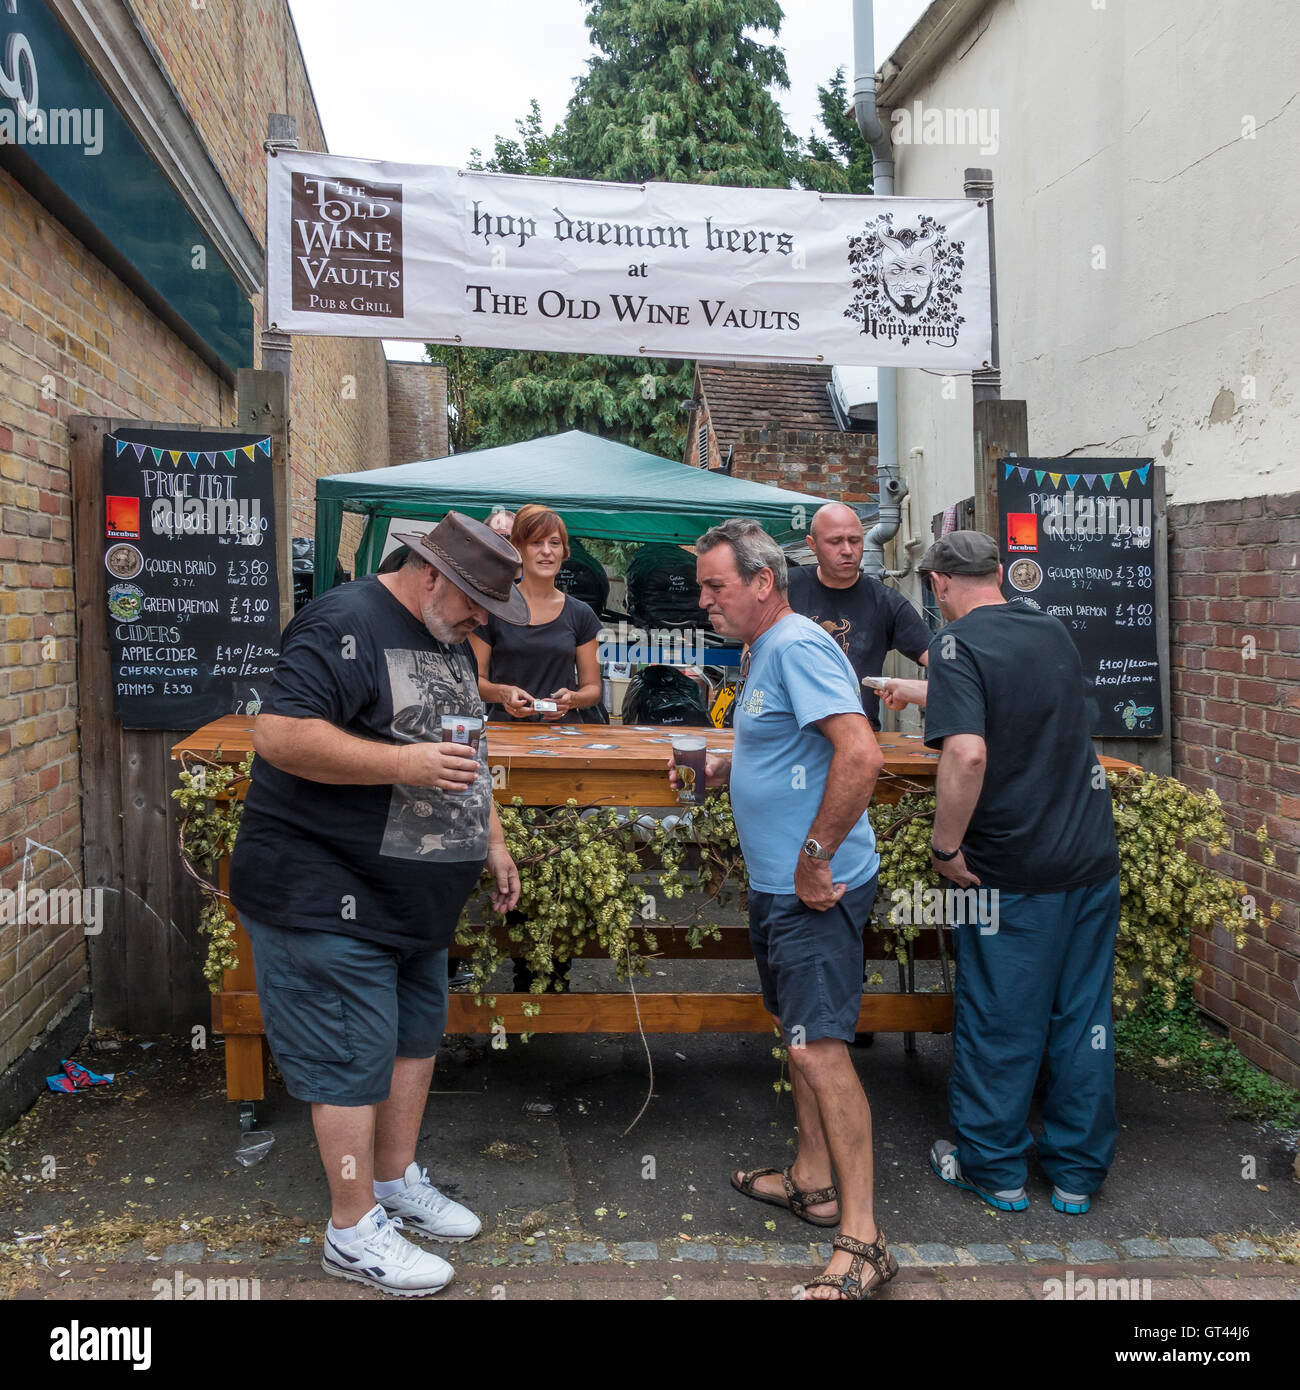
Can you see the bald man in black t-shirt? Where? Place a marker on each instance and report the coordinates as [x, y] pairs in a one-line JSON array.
[[865, 617]]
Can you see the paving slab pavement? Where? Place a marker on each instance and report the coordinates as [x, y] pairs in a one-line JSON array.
[[147, 1167], [1130, 1281]]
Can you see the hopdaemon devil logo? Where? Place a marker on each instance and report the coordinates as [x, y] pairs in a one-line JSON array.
[[906, 281]]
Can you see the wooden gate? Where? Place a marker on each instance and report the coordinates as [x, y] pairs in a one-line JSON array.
[[146, 963]]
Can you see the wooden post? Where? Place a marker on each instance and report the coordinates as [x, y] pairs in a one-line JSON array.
[[98, 730], [263, 409], [1001, 431]]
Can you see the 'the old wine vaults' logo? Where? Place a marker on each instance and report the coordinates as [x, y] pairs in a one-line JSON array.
[[906, 282], [347, 246]]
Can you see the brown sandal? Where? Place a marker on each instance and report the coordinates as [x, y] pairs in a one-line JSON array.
[[883, 1266], [796, 1202]]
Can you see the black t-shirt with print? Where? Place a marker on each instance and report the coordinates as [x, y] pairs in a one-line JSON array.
[[867, 620], [539, 658], [1011, 674], [387, 863]]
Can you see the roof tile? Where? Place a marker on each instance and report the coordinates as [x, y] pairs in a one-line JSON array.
[[778, 395]]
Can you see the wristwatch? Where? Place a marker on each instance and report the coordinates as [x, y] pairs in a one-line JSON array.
[[814, 851], [941, 856]]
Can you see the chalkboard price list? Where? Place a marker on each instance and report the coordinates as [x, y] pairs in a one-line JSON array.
[[1077, 540], [192, 591]]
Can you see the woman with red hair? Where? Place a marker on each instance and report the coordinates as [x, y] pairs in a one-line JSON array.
[[552, 658]]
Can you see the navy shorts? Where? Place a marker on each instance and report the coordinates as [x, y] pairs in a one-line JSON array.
[[810, 963], [337, 1009]]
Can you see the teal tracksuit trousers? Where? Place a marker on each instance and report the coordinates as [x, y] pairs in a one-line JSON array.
[[1037, 979]]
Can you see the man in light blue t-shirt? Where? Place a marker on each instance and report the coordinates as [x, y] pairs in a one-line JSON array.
[[801, 776]]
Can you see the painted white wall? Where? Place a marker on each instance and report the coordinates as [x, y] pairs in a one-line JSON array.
[[1121, 128]]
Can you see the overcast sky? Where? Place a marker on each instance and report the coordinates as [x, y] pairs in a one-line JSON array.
[[426, 81]]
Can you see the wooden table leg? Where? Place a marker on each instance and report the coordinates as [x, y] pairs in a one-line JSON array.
[[245, 1067]]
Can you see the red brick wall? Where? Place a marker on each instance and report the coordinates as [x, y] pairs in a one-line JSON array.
[[75, 341], [417, 412], [1235, 588], [839, 466]]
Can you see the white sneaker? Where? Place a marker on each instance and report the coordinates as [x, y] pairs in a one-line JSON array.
[[383, 1258], [422, 1207]]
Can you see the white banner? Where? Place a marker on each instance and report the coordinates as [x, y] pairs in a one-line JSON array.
[[359, 248]]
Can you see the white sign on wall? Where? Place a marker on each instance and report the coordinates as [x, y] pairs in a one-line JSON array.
[[360, 248]]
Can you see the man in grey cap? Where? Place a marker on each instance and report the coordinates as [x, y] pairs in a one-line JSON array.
[[1023, 825], [363, 835]]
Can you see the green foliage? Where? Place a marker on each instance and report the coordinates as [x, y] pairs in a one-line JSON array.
[[616, 554], [506, 397], [211, 797], [534, 152], [679, 91], [843, 148], [583, 878], [1166, 892], [1175, 1044]]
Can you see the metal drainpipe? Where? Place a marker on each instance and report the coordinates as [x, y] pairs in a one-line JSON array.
[[892, 489]]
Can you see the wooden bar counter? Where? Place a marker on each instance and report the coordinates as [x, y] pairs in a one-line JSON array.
[[603, 765]]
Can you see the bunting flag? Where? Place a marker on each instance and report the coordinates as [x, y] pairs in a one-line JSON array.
[[162, 456], [1072, 480]]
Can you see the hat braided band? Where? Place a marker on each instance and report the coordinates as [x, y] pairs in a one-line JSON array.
[[471, 579]]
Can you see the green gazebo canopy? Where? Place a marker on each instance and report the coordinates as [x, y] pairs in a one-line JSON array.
[[602, 489]]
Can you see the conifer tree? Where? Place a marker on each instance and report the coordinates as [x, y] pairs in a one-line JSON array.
[[676, 91]]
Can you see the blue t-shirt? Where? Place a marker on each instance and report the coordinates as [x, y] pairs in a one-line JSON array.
[[797, 675]]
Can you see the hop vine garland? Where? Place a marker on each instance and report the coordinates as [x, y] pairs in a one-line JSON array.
[[211, 796], [1166, 890], [599, 874]]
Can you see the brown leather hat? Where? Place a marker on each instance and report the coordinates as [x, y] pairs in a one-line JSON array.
[[477, 561]]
